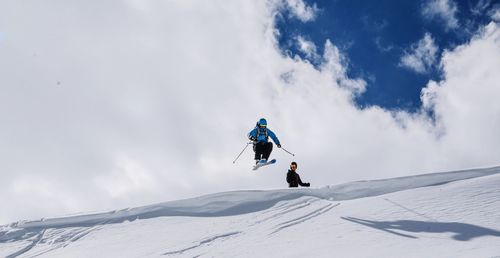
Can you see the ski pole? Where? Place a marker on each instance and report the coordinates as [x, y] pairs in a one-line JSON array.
[[241, 152], [288, 151]]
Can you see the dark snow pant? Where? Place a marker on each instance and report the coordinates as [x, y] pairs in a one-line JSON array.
[[262, 150]]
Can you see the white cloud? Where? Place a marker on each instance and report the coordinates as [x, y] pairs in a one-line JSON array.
[[466, 101], [308, 48], [445, 10], [336, 64], [155, 100], [421, 56], [495, 14], [301, 10], [480, 7]]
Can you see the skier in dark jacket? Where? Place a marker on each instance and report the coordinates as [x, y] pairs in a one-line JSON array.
[[293, 178], [260, 138]]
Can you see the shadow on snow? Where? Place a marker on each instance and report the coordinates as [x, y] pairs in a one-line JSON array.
[[461, 231]]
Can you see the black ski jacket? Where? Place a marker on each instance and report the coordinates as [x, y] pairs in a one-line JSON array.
[[293, 179]]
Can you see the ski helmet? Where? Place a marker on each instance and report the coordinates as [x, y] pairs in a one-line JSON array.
[[262, 122]]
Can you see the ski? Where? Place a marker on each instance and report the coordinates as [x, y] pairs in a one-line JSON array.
[[262, 164]]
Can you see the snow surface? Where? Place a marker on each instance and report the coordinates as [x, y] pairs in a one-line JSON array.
[[453, 214]]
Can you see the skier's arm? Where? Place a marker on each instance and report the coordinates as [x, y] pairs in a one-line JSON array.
[[273, 136], [301, 183], [252, 135], [289, 177]]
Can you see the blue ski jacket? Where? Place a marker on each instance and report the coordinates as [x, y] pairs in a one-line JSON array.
[[262, 135]]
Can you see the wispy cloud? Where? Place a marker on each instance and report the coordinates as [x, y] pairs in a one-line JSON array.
[[495, 13], [308, 48], [301, 10], [336, 63], [384, 48], [372, 24], [480, 7], [421, 56], [445, 10]]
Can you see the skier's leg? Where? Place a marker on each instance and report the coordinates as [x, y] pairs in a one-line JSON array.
[[259, 149], [267, 151]]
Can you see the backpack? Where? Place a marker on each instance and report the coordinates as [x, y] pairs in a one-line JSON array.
[[266, 134]]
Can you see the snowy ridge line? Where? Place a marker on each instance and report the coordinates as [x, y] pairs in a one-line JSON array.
[[241, 202]]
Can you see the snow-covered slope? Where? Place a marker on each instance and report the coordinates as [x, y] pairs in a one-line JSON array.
[[454, 214]]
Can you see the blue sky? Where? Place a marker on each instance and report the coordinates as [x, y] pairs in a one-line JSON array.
[[375, 35]]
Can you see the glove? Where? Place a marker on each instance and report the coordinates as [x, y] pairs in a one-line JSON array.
[[252, 138], [278, 145]]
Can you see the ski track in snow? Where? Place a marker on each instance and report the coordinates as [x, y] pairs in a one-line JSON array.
[[410, 210], [287, 209], [207, 241], [56, 238], [300, 206], [306, 217], [35, 241]]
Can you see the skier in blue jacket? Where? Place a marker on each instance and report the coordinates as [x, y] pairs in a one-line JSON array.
[[260, 137]]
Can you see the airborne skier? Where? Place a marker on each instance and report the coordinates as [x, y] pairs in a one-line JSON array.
[[260, 138]]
